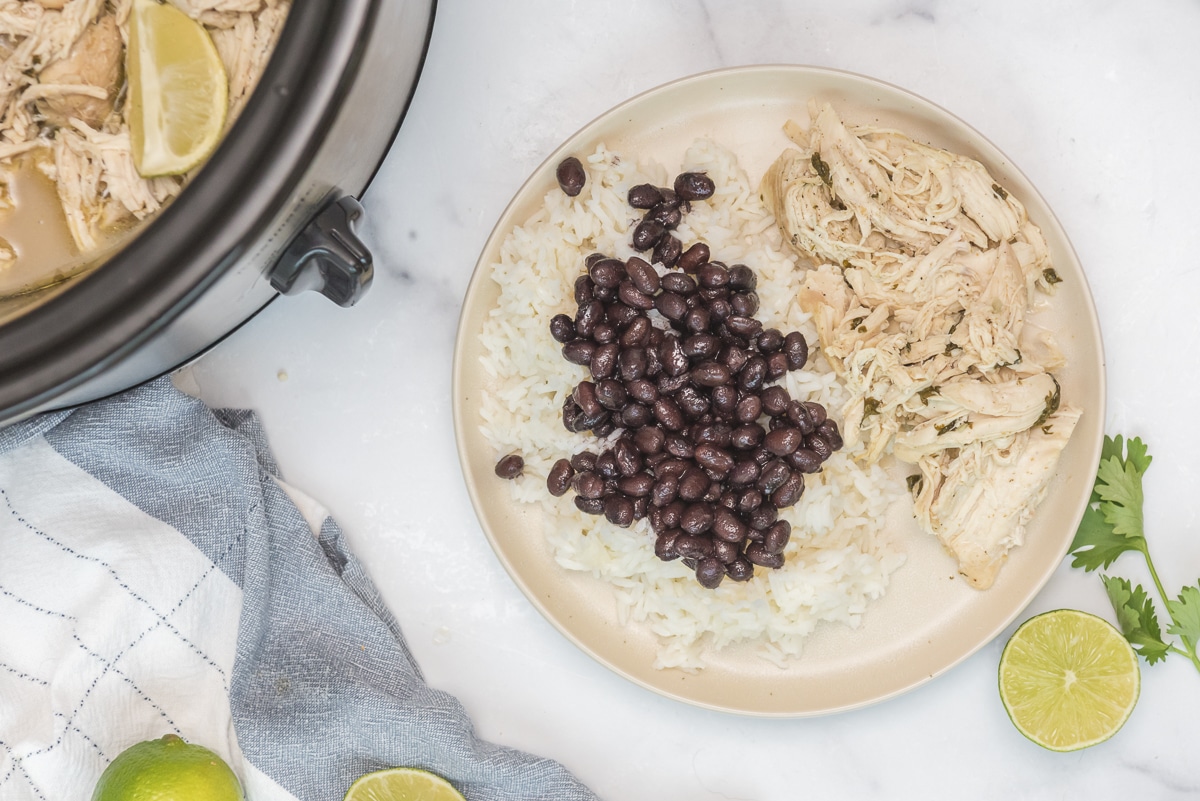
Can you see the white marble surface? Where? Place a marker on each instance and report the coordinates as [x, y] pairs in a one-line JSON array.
[[1098, 103]]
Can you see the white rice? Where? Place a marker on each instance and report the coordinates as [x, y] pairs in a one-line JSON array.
[[840, 556]]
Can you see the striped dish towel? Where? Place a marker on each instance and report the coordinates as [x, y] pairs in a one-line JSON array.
[[157, 576]]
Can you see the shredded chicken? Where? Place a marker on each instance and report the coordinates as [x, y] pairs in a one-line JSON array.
[[62, 99], [924, 269]]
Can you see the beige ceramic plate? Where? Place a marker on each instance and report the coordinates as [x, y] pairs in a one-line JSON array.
[[929, 620]]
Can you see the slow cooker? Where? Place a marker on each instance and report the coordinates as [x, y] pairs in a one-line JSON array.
[[272, 212]]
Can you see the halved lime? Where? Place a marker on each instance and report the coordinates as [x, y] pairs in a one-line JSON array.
[[178, 90], [402, 784], [1068, 679]]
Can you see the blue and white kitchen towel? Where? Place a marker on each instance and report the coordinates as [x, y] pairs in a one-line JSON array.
[[157, 576]]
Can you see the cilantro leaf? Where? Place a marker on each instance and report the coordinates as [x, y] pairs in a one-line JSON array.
[[1120, 489], [1112, 448], [1096, 544], [1185, 616], [1136, 618]]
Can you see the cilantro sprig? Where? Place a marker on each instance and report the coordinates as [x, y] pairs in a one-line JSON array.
[[1112, 525]]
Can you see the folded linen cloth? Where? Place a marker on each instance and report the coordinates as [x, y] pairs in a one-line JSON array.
[[157, 576]]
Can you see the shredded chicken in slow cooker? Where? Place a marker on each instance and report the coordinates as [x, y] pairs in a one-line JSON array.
[[62, 96], [925, 270]]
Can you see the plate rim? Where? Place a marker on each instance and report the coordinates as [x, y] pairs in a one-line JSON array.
[[479, 276]]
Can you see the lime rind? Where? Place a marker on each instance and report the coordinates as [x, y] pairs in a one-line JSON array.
[[1068, 680]]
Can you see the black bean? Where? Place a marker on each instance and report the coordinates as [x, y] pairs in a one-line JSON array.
[[672, 513], [669, 385], [585, 397], [588, 485], [717, 434], [665, 490], [511, 466], [646, 234], [773, 474], [744, 472], [746, 437], [770, 340], [562, 328], [642, 275], [619, 510], [627, 456], [631, 296], [579, 351], [775, 400], [607, 273], [611, 394], [714, 492], [650, 440], [788, 492], [717, 460], [805, 461], [636, 486], [711, 374], [797, 415], [642, 391], [603, 361], [584, 460], [744, 304], [691, 402], [584, 289], [667, 412], [762, 518], [725, 552], [664, 545], [666, 252], [591, 506], [606, 465], [753, 374], [720, 310], [669, 198], [742, 278], [783, 441], [697, 518], [749, 409], [667, 216], [636, 415], [796, 348], [775, 538], [756, 554], [620, 315], [727, 526], [696, 320], [712, 276], [777, 365], [739, 570], [671, 306], [710, 572], [571, 176], [818, 445], [604, 334], [680, 284], [701, 346], [694, 186], [558, 480], [744, 326], [816, 412], [693, 546], [631, 363], [749, 500], [691, 259], [644, 196], [588, 317], [829, 432], [693, 484]]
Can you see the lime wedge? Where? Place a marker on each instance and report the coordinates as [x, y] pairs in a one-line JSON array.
[[402, 784], [1068, 680], [178, 91]]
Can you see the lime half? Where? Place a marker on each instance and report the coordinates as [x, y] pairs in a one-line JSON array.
[[168, 769], [1068, 680], [402, 784], [178, 90]]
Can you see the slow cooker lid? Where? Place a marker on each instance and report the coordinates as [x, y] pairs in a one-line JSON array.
[[110, 312]]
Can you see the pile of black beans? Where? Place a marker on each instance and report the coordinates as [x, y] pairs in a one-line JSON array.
[[710, 448]]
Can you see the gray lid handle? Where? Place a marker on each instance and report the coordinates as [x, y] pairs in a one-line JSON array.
[[327, 256]]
